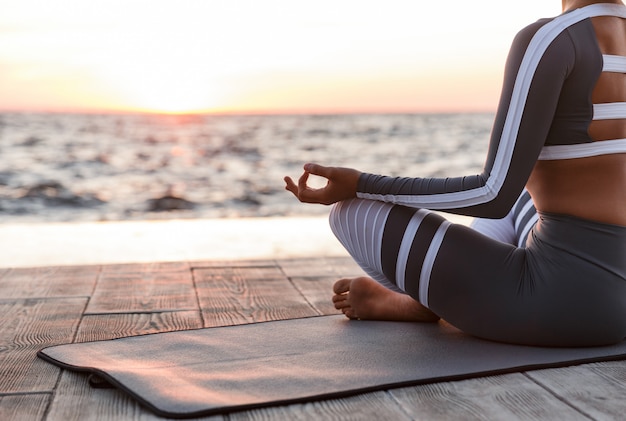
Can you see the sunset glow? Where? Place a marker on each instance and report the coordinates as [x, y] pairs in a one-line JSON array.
[[256, 55]]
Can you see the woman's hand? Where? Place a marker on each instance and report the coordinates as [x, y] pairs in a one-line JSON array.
[[341, 185]]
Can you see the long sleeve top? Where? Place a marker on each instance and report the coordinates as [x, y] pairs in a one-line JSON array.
[[551, 70]]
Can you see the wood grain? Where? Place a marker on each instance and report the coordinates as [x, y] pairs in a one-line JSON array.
[[143, 291], [75, 400], [235, 295], [370, 406], [338, 267], [70, 281], [318, 291], [598, 390], [204, 264], [150, 267], [30, 406], [111, 326], [509, 397], [27, 326]]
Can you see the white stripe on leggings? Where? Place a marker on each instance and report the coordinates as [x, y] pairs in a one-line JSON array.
[[429, 261], [405, 246], [522, 213], [524, 233], [377, 236], [359, 226]]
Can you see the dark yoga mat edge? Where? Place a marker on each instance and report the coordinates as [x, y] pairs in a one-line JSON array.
[[308, 398]]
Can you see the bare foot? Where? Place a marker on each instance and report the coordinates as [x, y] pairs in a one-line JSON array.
[[364, 298]]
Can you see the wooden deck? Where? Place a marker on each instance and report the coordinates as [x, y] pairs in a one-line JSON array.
[[40, 307]]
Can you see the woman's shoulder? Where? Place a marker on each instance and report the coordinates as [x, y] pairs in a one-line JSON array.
[[543, 33], [529, 31]]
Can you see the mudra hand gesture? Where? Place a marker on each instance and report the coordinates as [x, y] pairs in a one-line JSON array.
[[341, 184]]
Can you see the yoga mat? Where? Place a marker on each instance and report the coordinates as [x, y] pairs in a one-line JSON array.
[[217, 370]]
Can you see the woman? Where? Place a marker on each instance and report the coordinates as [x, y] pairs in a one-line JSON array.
[[559, 137]]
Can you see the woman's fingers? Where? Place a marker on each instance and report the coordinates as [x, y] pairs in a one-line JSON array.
[[317, 169], [301, 190], [341, 184], [291, 186], [302, 181]]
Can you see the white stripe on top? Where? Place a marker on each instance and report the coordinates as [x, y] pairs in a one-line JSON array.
[[583, 150], [605, 111], [609, 110], [615, 64]]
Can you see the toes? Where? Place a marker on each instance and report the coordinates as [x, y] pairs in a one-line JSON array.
[[340, 304], [339, 297], [350, 314], [342, 286]]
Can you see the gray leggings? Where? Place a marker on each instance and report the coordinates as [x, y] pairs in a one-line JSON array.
[[558, 282]]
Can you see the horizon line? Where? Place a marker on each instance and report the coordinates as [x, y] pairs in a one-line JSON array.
[[267, 112]]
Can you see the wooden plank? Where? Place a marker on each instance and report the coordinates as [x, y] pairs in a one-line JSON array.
[[146, 267], [371, 406], [506, 397], [27, 326], [204, 264], [318, 291], [30, 406], [75, 400], [63, 281], [110, 326], [338, 267], [143, 291], [236, 295], [597, 390]]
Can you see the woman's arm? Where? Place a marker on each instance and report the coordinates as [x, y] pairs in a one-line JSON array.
[[533, 79]]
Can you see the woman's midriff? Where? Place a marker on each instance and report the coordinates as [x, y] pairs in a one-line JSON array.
[[590, 188]]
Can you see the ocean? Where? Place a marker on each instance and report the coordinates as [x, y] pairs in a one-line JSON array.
[[117, 167]]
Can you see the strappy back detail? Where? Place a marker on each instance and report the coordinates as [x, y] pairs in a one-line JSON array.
[[609, 111], [612, 110], [583, 150], [615, 64], [606, 111]]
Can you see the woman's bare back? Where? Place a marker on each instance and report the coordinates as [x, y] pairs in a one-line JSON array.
[[592, 187]]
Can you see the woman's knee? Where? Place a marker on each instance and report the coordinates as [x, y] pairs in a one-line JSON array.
[[341, 213], [359, 225]]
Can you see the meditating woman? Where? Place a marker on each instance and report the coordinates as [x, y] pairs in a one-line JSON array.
[[554, 278]]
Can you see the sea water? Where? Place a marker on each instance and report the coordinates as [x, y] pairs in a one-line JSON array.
[[111, 167]]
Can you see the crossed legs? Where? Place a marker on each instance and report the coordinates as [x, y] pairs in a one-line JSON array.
[[360, 227]]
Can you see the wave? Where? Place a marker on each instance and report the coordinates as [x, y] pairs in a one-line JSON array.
[[88, 167]]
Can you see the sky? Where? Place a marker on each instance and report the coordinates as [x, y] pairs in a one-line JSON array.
[[261, 56]]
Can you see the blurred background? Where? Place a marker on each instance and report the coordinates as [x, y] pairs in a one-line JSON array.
[[186, 110]]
